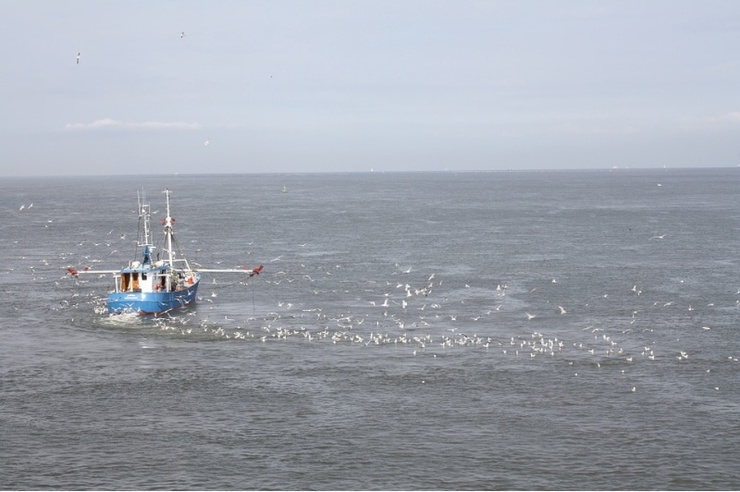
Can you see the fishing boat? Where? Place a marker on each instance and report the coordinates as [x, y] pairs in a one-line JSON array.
[[156, 283]]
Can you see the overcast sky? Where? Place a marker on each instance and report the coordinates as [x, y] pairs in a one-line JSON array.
[[355, 85]]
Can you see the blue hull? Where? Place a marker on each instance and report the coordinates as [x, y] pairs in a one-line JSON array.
[[150, 302]]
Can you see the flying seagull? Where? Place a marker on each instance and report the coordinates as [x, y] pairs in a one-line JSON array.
[[78, 57]]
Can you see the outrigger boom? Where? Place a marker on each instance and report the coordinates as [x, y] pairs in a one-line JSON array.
[[149, 286], [251, 273]]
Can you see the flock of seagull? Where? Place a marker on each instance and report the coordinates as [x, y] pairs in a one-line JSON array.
[[423, 315]]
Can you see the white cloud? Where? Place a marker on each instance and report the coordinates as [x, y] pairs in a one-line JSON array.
[[731, 117], [596, 129], [711, 122], [143, 125]]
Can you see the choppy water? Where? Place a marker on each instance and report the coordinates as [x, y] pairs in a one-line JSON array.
[[387, 344]]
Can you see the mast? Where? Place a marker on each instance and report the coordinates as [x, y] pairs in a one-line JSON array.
[[168, 220], [144, 214]]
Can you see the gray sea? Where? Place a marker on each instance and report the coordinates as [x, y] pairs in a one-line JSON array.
[[509, 330]]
